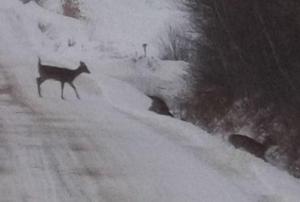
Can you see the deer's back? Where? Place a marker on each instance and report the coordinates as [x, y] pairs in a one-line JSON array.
[[248, 144], [59, 74]]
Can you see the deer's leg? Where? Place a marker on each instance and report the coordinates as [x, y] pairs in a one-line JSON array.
[[62, 90], [39, 81], [73, 86]]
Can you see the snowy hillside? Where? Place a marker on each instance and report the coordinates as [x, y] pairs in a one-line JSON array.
[[108, 146]]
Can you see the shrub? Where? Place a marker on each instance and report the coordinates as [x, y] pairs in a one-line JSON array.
[[175, 45], [71, 8]]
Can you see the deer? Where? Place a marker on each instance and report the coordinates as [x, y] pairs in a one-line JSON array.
[[248, 144], [159, 106], [63, 75]]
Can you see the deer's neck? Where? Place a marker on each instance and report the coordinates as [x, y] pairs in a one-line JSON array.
[[77, 72]]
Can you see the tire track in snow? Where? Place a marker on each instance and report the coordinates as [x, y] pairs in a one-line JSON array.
[[42, 157]]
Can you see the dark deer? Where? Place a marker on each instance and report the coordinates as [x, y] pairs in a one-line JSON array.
[[159, 106], [248, 144], [62, 75]]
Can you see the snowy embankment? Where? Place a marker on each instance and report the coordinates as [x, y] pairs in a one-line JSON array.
[[108, 146]]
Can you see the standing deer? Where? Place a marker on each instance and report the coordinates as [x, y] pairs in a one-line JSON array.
[[248, 144], [63, 75]]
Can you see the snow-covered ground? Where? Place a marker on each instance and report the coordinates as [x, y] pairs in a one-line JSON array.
[[108, 146]]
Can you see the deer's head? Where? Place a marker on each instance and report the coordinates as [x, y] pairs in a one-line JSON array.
[[84, 68]]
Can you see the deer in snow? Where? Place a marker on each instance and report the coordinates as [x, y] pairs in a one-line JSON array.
[[159, 106], [63, 75], [248, 144]]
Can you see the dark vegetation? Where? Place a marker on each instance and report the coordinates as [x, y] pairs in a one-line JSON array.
[[247, 69], [71, 8], [176, 45]]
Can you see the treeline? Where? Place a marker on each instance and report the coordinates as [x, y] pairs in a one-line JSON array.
[[247, 68]]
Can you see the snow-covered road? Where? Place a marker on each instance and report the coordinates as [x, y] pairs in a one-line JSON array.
[[71, 155]]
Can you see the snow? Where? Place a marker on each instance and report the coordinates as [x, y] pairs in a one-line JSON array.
[[108, 146]]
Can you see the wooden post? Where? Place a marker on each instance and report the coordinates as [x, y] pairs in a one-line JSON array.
[[145, 49]]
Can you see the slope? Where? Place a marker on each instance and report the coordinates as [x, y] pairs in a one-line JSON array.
[[107, 146]]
